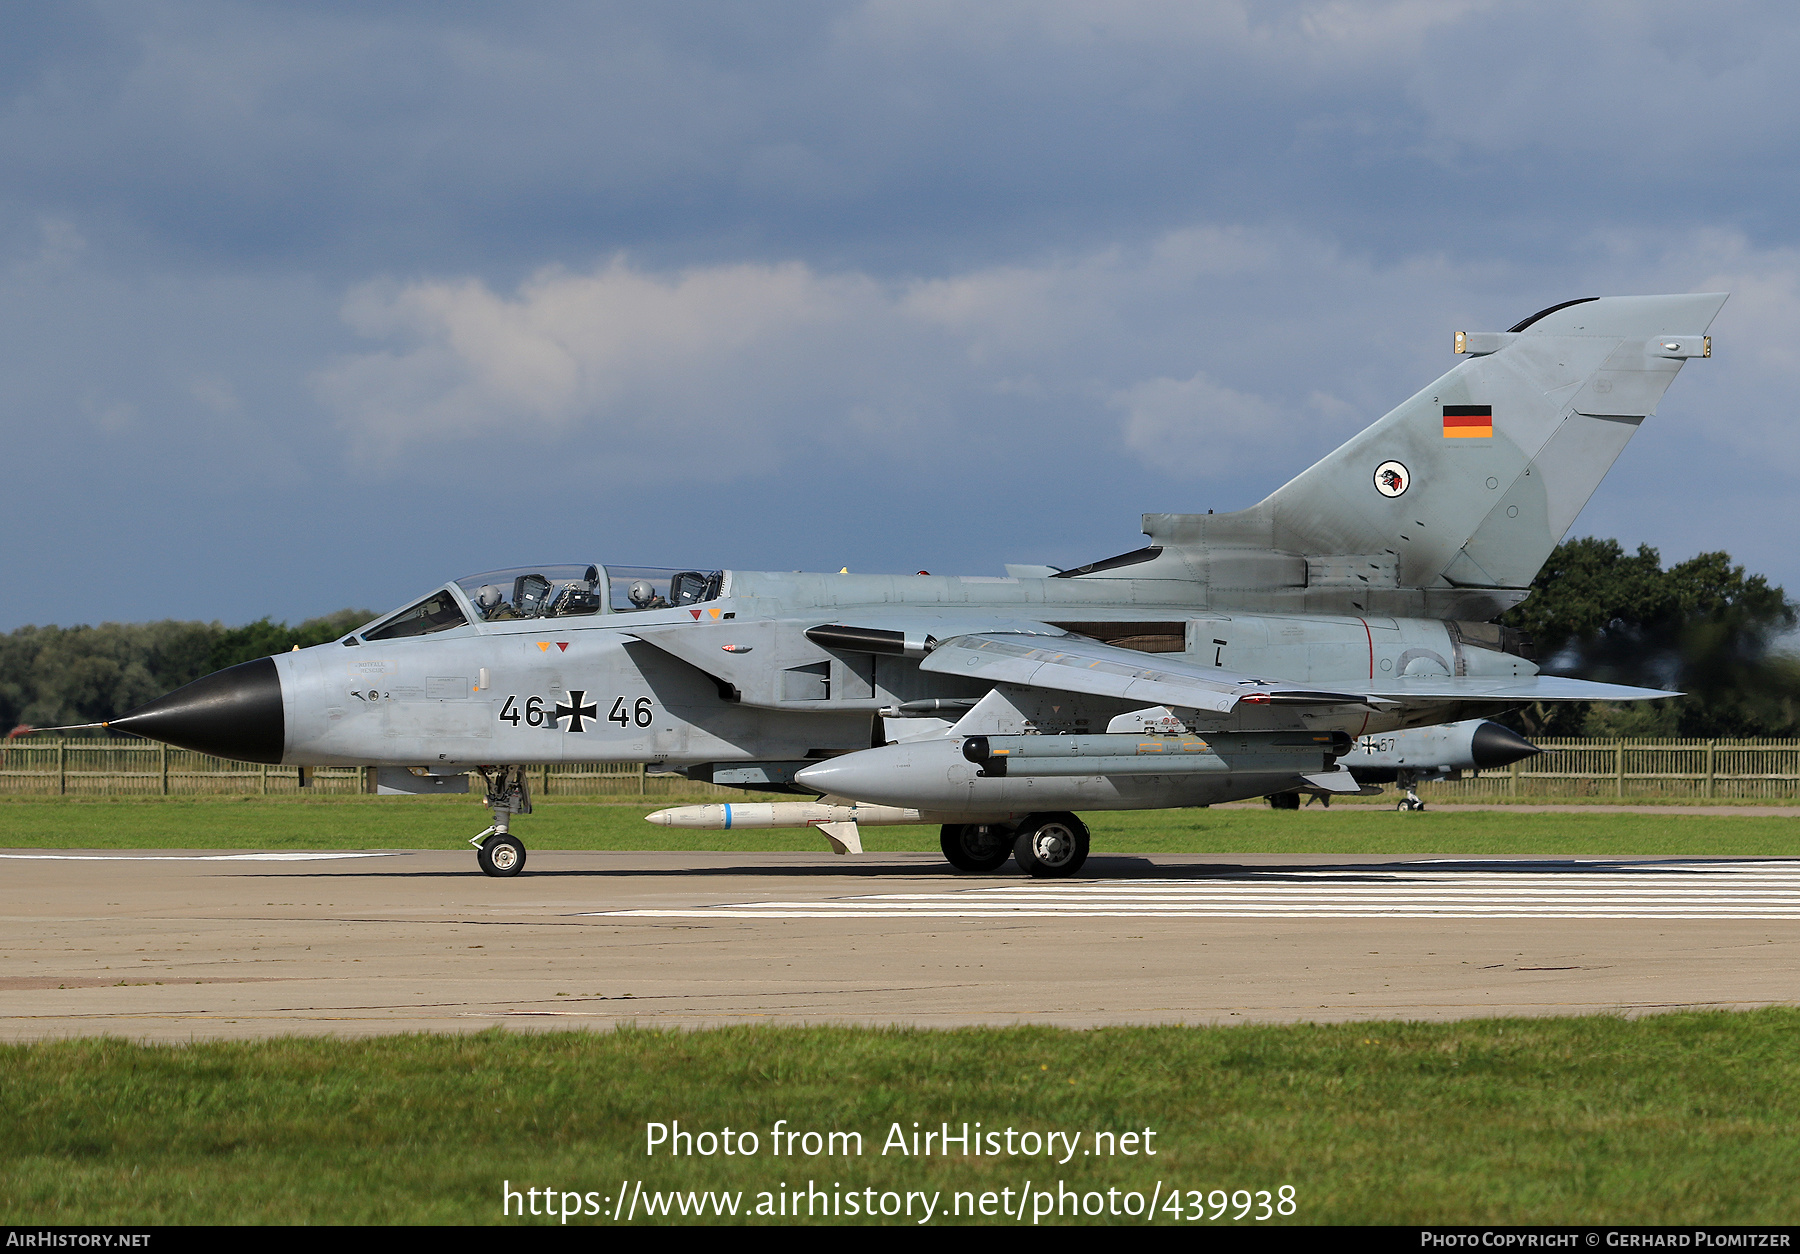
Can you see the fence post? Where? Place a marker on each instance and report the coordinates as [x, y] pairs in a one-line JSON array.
[[544, 787], [1709, 768], [642, 775], [1619, 769], [165, 767], [1512, 785], [62, 768], [265, 779]]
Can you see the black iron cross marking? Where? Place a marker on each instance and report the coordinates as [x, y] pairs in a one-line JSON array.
[[575, 711]]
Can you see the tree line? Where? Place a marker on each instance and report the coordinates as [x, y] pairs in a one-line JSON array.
[[55, 676], [1703, 627]]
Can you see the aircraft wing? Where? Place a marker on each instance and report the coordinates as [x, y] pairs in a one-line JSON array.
[[1077, 664], [1030, 656], [1431, 689]]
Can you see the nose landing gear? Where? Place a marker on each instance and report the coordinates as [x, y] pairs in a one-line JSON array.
[[1410, 782], [497, 851]]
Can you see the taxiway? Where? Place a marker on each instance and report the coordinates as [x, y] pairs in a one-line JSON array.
[[176, 946]]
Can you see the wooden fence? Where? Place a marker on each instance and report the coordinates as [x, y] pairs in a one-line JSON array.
[[1764, 770], [126, 768]]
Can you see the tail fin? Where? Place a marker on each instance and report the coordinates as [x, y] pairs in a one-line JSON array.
[[1471, 483]]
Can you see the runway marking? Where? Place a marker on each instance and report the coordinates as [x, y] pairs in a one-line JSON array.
[[1663, 889], [298, 856]]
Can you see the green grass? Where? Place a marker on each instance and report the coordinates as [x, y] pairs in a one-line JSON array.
[[1675, 1119], [568, 823]]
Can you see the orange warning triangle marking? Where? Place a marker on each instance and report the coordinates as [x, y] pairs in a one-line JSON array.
[[543, 646], [714, 613]]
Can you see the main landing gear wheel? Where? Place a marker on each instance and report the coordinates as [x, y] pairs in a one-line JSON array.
[[977, 847], [1285, 800], [501, 855], [1051, 846]]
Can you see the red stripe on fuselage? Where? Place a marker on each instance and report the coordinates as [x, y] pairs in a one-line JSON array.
[[1371, 636]]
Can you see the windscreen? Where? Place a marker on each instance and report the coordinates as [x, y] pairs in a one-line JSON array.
[[437, 612]]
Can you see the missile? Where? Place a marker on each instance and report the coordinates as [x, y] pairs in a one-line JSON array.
[[839, 824], [786, 814]]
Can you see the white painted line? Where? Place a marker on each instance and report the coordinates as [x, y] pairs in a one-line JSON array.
[[1585, 883], [717, 914], [1653, 890], [1536, 883], [302, 856], [1355, 907], [1433, 892]]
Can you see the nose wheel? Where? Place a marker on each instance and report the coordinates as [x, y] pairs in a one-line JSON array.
[[501, 855], [1410, 801]]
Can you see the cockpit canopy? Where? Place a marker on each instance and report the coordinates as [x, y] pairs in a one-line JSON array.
[[550, 592], [533, 592], [648, 588]]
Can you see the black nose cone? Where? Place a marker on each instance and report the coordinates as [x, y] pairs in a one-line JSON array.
[[1494, 745], [233, 713]]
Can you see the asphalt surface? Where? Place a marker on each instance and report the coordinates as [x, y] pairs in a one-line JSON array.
[[177, 946]]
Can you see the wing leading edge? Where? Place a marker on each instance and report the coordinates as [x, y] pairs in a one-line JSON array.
[[1076, 664]]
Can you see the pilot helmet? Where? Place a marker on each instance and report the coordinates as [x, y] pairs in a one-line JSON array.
[[642, 592], [487, 597]]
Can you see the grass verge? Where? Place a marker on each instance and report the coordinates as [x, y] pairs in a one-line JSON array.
[[567, 823], [1674, 1119]]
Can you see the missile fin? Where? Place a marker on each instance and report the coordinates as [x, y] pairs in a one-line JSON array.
[[844, 837]]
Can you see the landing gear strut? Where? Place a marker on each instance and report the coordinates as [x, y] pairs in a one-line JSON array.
[[497, 851], [1411, 800]]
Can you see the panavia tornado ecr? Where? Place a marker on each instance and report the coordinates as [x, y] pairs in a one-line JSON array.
[[1235, 655], [1408, 758]]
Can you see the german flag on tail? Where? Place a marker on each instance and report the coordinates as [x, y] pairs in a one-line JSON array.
[[1468, 422]]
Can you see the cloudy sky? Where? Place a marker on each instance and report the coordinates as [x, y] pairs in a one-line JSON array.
[[319, 305]]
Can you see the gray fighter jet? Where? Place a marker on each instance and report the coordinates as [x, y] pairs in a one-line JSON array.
[[1233, 656], [1409, 758]]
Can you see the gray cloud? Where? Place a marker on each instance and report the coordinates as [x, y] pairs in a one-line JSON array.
[[309, 305]]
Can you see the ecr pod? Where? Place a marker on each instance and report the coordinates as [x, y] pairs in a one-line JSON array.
[[1000, 756]]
